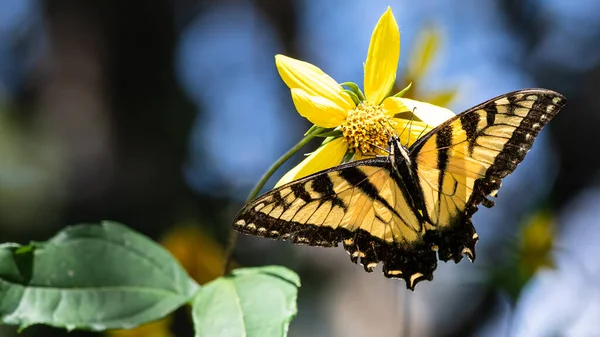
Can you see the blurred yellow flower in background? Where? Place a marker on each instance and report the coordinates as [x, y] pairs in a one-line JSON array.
[[420, 62], [529, 252], [365, 121], [160, 328], [199, 253], [537, 242]]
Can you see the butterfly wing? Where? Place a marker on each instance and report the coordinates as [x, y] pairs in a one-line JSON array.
[[463, 161], [382, 215], [362, 204]]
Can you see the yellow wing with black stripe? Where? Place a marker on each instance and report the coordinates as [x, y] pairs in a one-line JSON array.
[[402, 209], [462, 161], [363, 204]]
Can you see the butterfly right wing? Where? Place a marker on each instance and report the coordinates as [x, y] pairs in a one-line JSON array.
[[464, 160]]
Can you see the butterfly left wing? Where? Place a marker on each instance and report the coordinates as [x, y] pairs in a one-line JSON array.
[[362, 204], [462, 161]]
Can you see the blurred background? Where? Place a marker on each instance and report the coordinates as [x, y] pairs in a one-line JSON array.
[[163, 114]]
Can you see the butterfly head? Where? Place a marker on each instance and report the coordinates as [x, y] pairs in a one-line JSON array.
[[398, 152], [394, 140]]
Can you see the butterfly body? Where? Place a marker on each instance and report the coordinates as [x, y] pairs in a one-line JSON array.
[[414, 206]]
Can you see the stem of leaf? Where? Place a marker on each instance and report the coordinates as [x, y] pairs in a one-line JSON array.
[[233, 235]]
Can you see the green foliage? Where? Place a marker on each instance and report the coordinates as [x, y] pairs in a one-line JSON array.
[[110, 277], [250, 302], [354, 90], [403, 91], [91, 277]]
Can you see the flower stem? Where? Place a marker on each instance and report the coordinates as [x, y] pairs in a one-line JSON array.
[[233, 235]]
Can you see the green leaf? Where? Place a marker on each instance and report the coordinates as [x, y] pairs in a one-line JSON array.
[[355, 89], [327, 140], [347, 156], [91, 277], [318, 131], [403, 91], [332, 133], [355, 98], [312, 129], [250, 302]]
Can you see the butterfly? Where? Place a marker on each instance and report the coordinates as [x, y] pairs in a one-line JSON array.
[[414, 206]]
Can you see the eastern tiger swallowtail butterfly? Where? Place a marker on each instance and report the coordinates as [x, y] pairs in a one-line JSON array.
[[405, 208]]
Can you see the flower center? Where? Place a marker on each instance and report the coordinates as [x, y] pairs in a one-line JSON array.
[[367, 129]]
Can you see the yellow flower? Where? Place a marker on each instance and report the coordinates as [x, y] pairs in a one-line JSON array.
[[537, 242], [365, 126]]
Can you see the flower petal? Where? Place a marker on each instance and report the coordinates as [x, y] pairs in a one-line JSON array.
[[431, 114], [382, 58], [318, 110], [303, 75], [409, 131], [326, 156]]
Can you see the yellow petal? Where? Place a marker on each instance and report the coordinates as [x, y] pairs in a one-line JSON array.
[[303, 75], [431, 114], [326, 156], [382, 58], [409, 131], [393, 106], [318, 110]]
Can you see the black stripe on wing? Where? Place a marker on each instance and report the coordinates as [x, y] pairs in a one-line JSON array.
[[535, 108], [412, 262]]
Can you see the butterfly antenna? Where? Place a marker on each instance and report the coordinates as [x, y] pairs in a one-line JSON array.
[[409, 124], [392, 127], [386, 130], [379, 147], [422, 132], [405, 126]]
